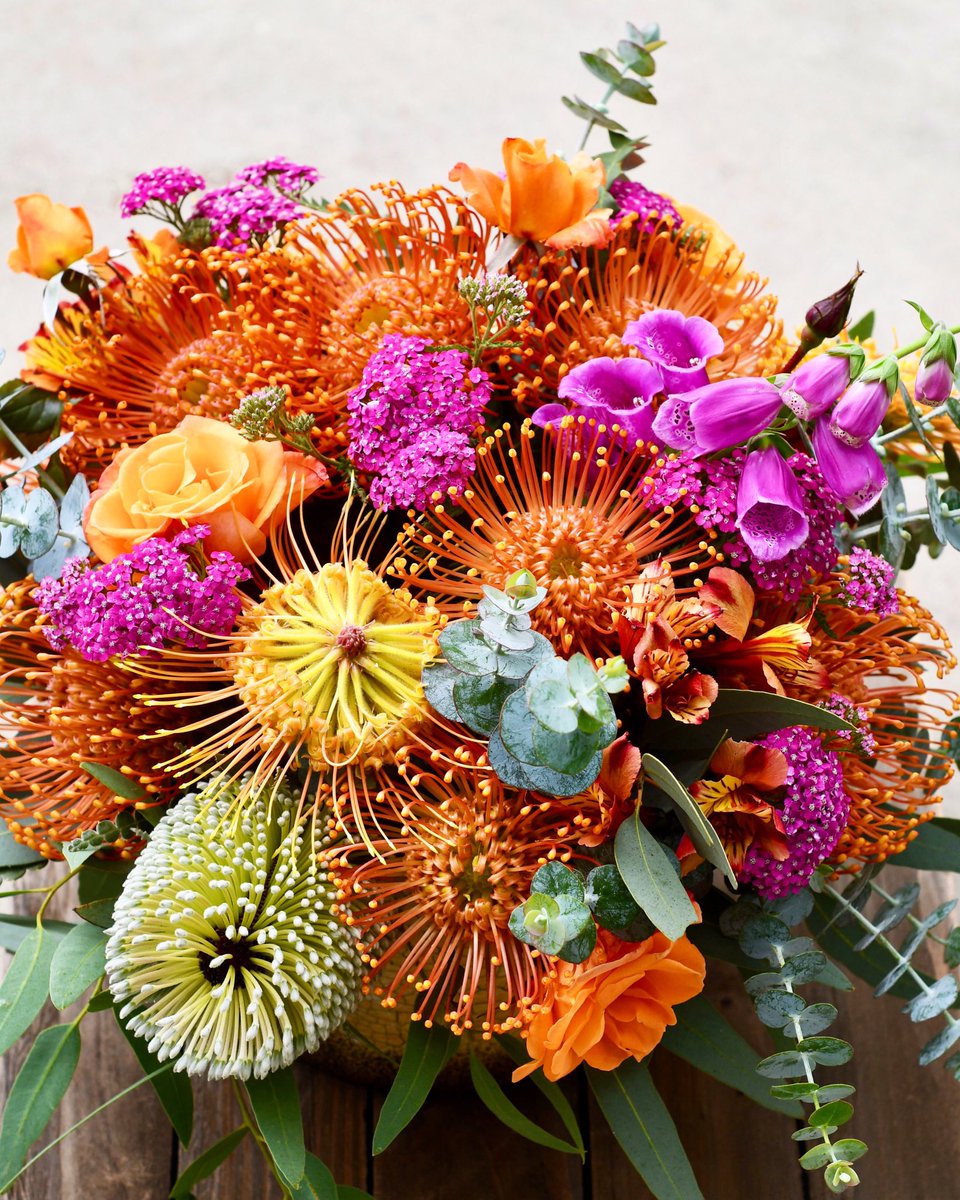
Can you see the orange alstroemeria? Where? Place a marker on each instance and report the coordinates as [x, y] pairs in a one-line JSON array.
[[543, 198], [49, 237], [735, 804], [615, 790]]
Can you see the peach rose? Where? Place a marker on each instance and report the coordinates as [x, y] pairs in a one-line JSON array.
[[204, 471], [614, 1006], [543, 198], [50, 236]]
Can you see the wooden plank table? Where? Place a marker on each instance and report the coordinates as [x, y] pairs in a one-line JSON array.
[[455, 1150]]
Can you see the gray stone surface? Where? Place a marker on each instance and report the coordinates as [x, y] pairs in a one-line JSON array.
[[819, 134]]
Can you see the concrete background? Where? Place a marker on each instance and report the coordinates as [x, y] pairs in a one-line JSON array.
[[819, 134]]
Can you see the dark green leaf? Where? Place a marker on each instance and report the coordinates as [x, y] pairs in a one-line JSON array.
[[850, 1149], [172, 1087], [837, 1113], [703, 835], [804, 968], [35, 1095], [601, 68], [951, 460], [645, 1130], [78, 962], [863, 328], [425, 1053], [935, 848], [480, 698], [15, 929], [317, 1182], [203, 1167], [118, 783], [97, 912], [914, 418], [703, 1038], [541, 779], [493, 1096], [15, 859], [275, 1101], [352, 1193], [24, 988], [465, 650], [652, 878], [588, 113], [894, 503], [816, 1158], [777, 1009], [827, 1051], [438, 680], [612, 904], [518, 1052], [763, 935], [579, 947], [747, 714], [782, 1065]]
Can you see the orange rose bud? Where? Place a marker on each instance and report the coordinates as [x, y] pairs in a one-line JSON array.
[[614, 1006], [50, 236], [543, 198], [202, 472]]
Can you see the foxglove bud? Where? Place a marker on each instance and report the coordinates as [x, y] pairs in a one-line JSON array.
[[770, 510], [819, 383], [727, 413], [827, 317], [935, 376], [862, 407], [854, 473]]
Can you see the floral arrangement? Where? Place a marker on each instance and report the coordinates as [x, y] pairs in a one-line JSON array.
[[469, 604]]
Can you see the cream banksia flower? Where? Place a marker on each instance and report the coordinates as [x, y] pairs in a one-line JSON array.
[[225, 951]]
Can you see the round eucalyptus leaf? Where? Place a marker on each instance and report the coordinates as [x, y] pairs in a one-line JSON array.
[[13, 505], [778, 1008], [43, 521]]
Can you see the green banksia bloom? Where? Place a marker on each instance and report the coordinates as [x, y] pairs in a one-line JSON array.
[[225, 952]]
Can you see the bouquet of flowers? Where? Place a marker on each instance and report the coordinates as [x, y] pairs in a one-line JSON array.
[[456, 618]]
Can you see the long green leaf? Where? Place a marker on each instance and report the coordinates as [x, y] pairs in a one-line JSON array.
[[36, 1092], [935, 848], [16, 859], [15, 929], [426, 1052], [651, 878], [24, 988], [352, 1193], [746, 713], [702, 833], [173, 1088], [643, 1127], [205, 1165], [78, 962], [275, 1101], [503, 1108], [317, 1182], [706, 1040], [551, 1091]]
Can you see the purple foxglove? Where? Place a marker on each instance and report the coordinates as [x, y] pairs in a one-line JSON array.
[[673, 425], [678, 346], [860, 411], [614, 391], [935, 376], [770, 510], [727, 413], [854, 473], [818, 384]]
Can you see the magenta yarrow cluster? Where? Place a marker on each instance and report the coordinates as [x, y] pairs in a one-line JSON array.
[[869, 586], [651, 208], [280, 173], [814, 814], [413, 417], [163, 186], [241, 213], [143, 599], [860, 737]]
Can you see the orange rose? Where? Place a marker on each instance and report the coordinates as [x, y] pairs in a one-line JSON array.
[[542, 199], [614, 1006], [204, 471], [50, 236], [719, 246]]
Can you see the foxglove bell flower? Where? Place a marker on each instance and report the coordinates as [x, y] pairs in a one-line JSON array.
[[860, 410], [935, 376], [812, 389], [855, 473], [770, 508], [727, 413], [673, 425], [678, 346], [614, 391]]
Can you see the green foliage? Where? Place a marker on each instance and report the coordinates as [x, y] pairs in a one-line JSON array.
[[78, 962], [548, 719], [651, 874], [551, 1091], [15, 859], [317, 1182], [204, 1166], [556, 919], [25, 985], [704, 837], [37, 1091], [645, 1130], [173, 1088], [428, 1048], [32, 525], [496, 1100], [935, 848], [15, 929], [275, 1101]]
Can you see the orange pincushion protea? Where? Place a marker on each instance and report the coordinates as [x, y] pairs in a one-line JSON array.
[[432, 895], [62, 711], [579, 522], [582, 311], [614, 1006]]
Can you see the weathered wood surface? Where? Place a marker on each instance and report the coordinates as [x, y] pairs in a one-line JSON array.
[[455, 1150]]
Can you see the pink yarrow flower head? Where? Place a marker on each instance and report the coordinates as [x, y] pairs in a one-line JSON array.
[[732, 411], [770, 509], [814, 814], [678, 346], [407, 390], [855, 473], [241, 214], [869, 585], [820, 382], [614, 391], [860, 737], [141, 600], [163, 188], [280, 173], [434, 461], [651, 208]]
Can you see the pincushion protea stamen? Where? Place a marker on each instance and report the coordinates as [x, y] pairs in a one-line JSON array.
[[225, 950]]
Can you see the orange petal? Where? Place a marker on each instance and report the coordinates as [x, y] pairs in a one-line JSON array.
[[593, 230], [484, 192], [733, 598]]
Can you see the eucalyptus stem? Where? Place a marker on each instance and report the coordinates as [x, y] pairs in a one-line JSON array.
[[926, 420], [590, 124]]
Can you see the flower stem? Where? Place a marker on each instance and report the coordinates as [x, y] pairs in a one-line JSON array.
[[590, 124]]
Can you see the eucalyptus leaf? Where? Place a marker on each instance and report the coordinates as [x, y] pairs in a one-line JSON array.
[[275, 1101], [479, 699], [703, 835], [173, 1088], [652, 878], [438, 680], [494, 1098], [426, 1051], [24, 989], [78, 962], [934, 1001]]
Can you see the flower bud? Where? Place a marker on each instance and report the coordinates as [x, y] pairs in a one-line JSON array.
[[935, 376], [854, 473], [727, 413], [819, 383], [827, 317], [862, 407], [522, 585], [770, 510]]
